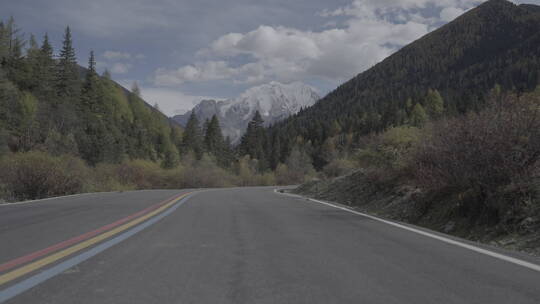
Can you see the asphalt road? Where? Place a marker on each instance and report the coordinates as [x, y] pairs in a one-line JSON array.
[[245, 245]]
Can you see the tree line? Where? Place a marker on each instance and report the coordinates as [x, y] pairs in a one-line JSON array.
[[493, 44], [49, 103], [66, 129]]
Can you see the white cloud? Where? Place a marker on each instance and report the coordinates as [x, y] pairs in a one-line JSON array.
[[119, 62], [105, 18], [120, 68], [451, 13], [371, 30], [210, 70], [373, 8], [171, 102], [113, 55], [121, 56]]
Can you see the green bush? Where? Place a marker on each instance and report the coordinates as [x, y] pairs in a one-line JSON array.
[[36, 175], [143, 174], [339, 167], [206, 173], [392, 149]]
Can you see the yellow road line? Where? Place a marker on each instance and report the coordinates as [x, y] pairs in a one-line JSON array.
[[68, 251]]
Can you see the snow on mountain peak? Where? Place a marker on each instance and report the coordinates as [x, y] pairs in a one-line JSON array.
[[275, 101], [275, 97]]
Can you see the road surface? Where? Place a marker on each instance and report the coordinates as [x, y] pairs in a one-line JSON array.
[[243, 245]]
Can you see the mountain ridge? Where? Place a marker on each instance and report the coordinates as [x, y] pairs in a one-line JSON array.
[[496, 43], [275, 101]]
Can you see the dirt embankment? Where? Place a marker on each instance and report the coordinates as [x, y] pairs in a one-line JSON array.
[[394, 199]]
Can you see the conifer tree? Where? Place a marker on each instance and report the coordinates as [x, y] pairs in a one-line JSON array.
[[418, 116], [67, 74], [91, 91], [171, 157], [434, 104], [192, 138], [106, 74], [213, 139], [95, 140], [275, 156], [135, 89], [4, 149], [44, 71], [46, 47], [214, 142], [8, 39], [228, 153], [3, 43], [253, 143]]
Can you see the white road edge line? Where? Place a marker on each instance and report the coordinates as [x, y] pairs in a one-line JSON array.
[[499, 256], [2, 204], [52, 198]]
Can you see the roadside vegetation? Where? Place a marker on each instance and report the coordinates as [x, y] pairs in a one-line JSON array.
[[475, 175], [464, 161], [65, 129]]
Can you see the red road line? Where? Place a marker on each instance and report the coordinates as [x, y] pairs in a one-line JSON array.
[[82, 237]]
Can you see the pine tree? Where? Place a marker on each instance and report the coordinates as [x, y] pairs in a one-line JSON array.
[[46, 47], [171, 157], [13, 61], [418, 116], [106, 74], [275, 156], [67, 73], [434, 104], [4, 149], [9, 35], [214, 142], [44, 71], [96, 139], [254, 142], [213, 139], [192, 138], [43, 80], [4, 45], [228, 157], [33, 54], [135, 89], [91, 93]]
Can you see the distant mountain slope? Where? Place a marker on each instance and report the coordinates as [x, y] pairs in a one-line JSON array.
[[83, 71], [275, 102], [496, 43], [119, 125]]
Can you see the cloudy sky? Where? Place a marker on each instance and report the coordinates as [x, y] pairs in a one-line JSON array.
[[182, 51]]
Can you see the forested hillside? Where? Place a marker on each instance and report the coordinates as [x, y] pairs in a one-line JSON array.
[[445, 133], [497, 43], [65, 129], [49, 103]]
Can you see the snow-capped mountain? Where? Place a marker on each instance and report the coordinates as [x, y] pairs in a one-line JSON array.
[[275, 101]]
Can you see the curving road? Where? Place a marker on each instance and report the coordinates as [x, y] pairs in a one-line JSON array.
[[243, 245]]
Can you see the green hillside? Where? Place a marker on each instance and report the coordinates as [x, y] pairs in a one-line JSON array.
[[497, 43], [49, 103]]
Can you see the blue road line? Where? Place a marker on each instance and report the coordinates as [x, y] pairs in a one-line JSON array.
[[43, 276]]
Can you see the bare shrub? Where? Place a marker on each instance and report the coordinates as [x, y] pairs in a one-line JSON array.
[[206, 173], [479, 155], [142, 174], [390, 150], [35, 175], [339, 167]]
